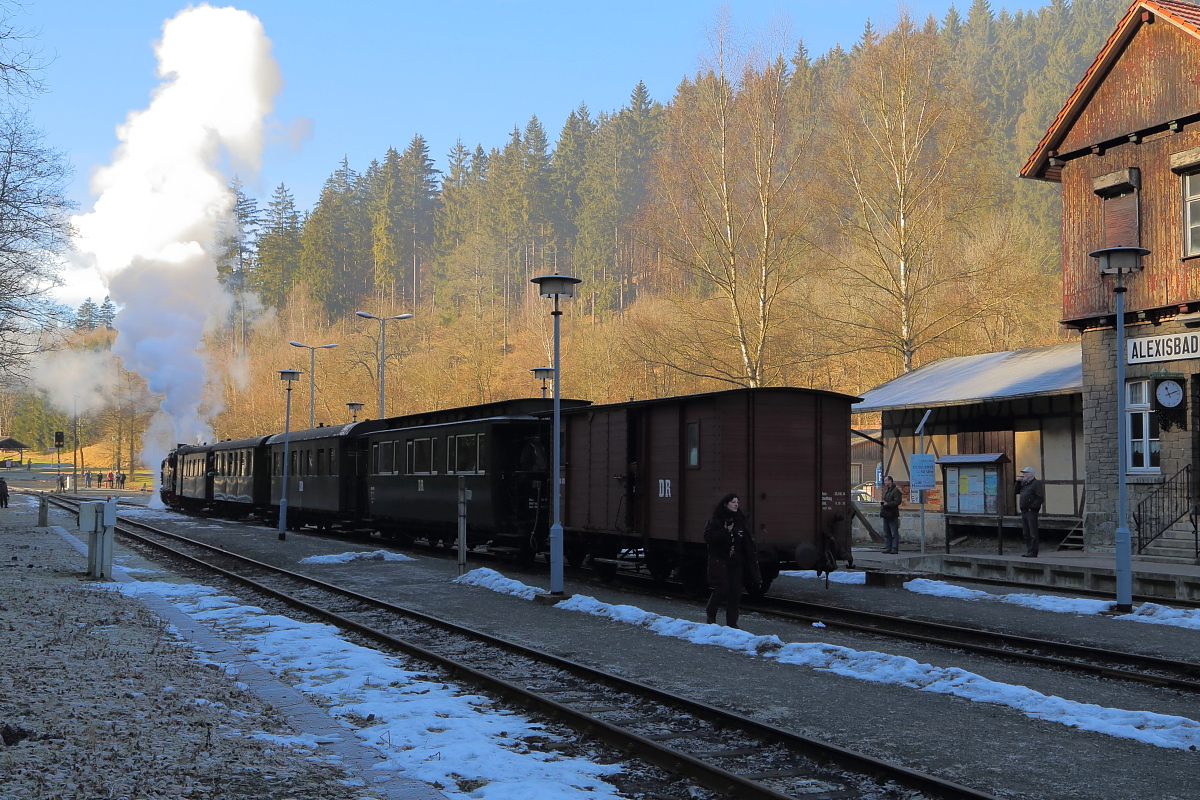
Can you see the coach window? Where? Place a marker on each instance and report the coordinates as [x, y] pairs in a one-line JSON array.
[[1143, 428], [693, 444], [463, 454], [320, 461], [420, 456]]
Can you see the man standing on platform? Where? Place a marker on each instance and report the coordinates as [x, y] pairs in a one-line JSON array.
[[1032, 495]]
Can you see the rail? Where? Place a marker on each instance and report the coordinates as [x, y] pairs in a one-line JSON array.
[[1163, 507]]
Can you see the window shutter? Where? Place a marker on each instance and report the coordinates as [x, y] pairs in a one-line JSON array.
[[1121, 221]]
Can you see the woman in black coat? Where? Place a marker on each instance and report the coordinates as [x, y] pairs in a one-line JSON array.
[[731, 553]]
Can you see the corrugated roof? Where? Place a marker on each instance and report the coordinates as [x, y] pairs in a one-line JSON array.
[[1057, 369], [1184, 15]]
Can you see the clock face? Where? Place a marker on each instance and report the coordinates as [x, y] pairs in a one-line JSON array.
[[1169, 394]]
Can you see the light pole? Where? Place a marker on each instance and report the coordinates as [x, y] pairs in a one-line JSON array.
[[1120, 261], [288, 375], [382, 352], [543, 374], [312, 375], [354, 409], [556, 286]]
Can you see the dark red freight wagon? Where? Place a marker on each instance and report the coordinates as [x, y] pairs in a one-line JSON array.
[[643, 477]]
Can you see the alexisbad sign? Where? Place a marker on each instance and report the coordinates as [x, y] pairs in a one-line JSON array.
[[1172, 347]]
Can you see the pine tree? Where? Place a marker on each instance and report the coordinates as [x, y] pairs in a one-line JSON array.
[[107, 314], [418, 207], [336, 261], [278, 253], [86, 316]]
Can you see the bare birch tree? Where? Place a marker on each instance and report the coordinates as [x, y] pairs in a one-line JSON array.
[[909, 197], [728, 215]]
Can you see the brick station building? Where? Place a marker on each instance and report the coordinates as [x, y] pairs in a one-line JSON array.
[[1126, 150]]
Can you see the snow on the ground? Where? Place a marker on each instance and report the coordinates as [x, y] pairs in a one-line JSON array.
[[431, 730], [1146, 612], [490, 579], [1160, 730], [834, 577], [346, 558], [1165, 615]]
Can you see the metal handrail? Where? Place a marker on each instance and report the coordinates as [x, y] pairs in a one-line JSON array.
[[1163, 507]]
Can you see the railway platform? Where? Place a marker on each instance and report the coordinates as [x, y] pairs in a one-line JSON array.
[[1070, 570]]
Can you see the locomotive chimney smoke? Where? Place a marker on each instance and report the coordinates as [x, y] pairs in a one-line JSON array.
[[151, 233]]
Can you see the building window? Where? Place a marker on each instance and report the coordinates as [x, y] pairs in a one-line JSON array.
[[692, 444], [1191, 214], [1143, 427]]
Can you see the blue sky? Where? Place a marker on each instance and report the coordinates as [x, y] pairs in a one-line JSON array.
[[371, 74]]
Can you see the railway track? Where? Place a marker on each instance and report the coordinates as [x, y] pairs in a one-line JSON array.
[[719, 750]]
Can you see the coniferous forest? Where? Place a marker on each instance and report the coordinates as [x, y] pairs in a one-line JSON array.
[[783, 218]]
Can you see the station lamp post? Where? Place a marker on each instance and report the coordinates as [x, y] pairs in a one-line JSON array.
[[556, 286], [354, 409], [382, 352], [287, 375], [312, 375], [1121, 261], [543, 374]]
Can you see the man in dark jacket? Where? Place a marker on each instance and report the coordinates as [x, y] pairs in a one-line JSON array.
[[889, 514], [1032, 495], [732, 558]]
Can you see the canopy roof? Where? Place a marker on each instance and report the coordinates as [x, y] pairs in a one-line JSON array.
[[9, 443], [1057, 369]]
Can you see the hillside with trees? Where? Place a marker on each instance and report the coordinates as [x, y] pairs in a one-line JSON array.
[[781, 219]]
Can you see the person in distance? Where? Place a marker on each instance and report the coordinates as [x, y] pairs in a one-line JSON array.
[[889, 514], [1032, 495], [732, 558]]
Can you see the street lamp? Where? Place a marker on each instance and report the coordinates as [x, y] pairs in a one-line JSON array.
[[288, 375], [556, 286], [381, 320], [354, 409], [312, 375], [543, 374], [1121, 261]]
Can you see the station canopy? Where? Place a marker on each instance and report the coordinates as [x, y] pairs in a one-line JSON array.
[[1035, 372], [9, 443]]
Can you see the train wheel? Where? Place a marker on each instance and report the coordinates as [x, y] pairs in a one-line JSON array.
[[575, 554], [659, 566]]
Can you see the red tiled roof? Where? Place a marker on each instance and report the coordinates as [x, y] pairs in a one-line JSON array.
[[1184, 15]]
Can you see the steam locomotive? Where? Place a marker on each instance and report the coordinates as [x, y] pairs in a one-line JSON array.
[[638, 479]]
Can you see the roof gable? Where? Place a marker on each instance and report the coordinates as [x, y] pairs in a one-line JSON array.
[[1140, 23]]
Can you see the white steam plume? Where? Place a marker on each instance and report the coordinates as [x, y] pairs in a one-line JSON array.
[[151, 232]]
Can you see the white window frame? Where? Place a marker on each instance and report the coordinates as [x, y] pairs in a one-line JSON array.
[[1191, 213], [1140, 415]]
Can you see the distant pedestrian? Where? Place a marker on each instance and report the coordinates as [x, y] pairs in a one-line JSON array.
[[110, 479], [3, 493], [889, 514], [120, 480], [732, 558], [87, 479], [1031, 495], [62, 483]]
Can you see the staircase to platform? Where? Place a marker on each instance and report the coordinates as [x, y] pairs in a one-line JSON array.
[[1167, 521]]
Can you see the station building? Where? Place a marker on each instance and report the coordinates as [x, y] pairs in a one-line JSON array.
[[1125, 149], [989, 415]]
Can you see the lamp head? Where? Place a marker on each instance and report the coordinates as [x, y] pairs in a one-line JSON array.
[[402, 316], [1119, 260], [365, 315], [355, 407], [325, 346], [556, 285], [543, 373], [297, 344], [289, 374]]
